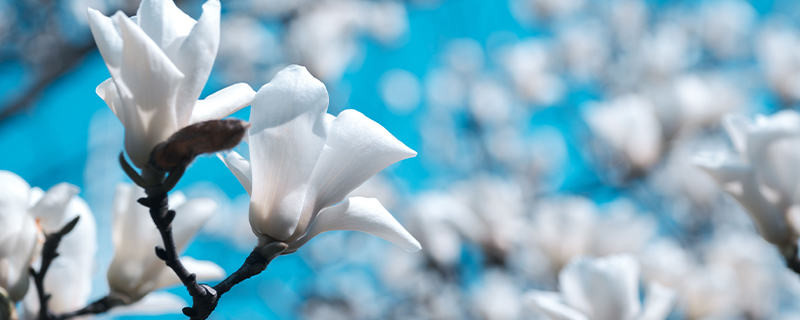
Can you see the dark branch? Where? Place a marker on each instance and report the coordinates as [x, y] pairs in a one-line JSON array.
[[49, 253], [97, 307]]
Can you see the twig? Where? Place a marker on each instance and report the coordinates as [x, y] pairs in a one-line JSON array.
[[49, 253], [99, 306]]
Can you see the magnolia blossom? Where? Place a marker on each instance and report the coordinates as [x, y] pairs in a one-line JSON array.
[[762, 176], [159, 62], [304, 161], [603, 289], [17, 234], [136, 270], [69, 278]]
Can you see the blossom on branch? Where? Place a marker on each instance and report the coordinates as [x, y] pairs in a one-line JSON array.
[[136, 271], [304, 162], [159, 62]]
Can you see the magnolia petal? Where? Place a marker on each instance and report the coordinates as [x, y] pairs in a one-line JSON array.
[[240, 168], [195, 59], [204, 270], [360, 214], [154, 303], [107, 37], [189, 218], [287, 135], [51, 208], [737, 127], [164, 22], [551, 305], [147, 84], [658, 303], [18, 235], [739, 180], [356, 149], [223, 103], [602, 288], [107, 91]]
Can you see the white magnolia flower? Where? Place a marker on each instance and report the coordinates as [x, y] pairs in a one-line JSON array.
[[17, 234], [603, 289], [304, 161], [763, 175], [136, 270], [69, 278], [159, 62]]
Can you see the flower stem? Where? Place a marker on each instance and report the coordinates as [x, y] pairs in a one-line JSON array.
[[49, 253]]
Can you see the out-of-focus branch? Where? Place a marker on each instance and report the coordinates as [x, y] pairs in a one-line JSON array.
[[49, 253], [72, 56]]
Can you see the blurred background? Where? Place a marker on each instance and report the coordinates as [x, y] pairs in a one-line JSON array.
[[546, 130]]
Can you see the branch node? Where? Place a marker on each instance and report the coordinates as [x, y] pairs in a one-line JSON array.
[[161, 253]]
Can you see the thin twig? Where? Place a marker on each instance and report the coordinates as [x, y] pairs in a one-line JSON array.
[[97, 307], [49, 253]]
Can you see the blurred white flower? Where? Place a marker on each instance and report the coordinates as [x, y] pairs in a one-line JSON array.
[[441, 220], [530, 66], [400, 91], [629, 124], [762, 175], [775, 49], [499, 297], [726, 27], [159, 62], [136, 271], [19, 234], [69, 278], [304, 162], [324, 36], [603, 289]]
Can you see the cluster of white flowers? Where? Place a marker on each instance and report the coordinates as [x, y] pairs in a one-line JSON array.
[[304, 162]]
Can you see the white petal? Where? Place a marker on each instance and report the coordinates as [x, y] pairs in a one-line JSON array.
[[602, 288], [107, 36], [154, 303], [287, 135], [551, 305], [240, 168], [204, 270], [147, 83], [164, 22], [356, 149], [658, 303], [360, 214], [107, 91], [223, 103], [738, 180], [195, 59], [51, 208], [17, 234]]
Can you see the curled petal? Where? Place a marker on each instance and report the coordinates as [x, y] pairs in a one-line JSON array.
[[240, 168], [287, 135], [360, 214], [106, 35], [356, 149], [223, 103], [551, 305], [164, 22]]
